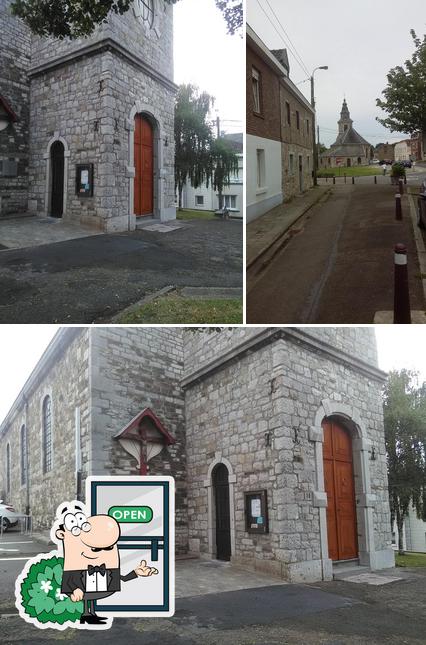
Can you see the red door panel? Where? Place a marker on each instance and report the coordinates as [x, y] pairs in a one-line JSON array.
[[340, 489], [144, 167]]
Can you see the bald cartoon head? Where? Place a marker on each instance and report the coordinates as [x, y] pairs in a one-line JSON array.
[[87, 540]]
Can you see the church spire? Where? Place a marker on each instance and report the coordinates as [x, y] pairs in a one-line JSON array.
[[344, 114]]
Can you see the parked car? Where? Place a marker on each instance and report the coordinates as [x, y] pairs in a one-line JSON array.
[[408, 164], [8, 516]]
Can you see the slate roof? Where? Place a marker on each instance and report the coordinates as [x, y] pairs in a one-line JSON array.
[[351, 136]]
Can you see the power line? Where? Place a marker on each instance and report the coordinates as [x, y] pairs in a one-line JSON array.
[[288, 37], [301, 64]]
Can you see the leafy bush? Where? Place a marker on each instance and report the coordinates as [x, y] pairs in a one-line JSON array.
[[41, 595], [398, 170]]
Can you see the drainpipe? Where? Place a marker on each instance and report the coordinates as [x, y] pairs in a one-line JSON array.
[[27, 465], [77, 436]]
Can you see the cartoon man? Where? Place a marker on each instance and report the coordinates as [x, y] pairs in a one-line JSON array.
[[91, 558]]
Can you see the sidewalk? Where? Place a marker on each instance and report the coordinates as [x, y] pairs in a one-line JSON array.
[[265, 230]]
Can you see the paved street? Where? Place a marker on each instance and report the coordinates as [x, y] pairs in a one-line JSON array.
[[337, 266], [237, 607], [84, 280]]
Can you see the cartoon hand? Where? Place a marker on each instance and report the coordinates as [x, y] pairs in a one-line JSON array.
[[143, 570], [77, 595]]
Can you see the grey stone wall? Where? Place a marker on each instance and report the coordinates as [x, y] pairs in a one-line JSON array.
[[90, 103], [15, 42], [256, 412], [66, 380], [133, 369]]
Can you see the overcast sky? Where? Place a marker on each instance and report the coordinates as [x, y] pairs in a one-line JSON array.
[[22, 345], [359, 40], [205, 55]]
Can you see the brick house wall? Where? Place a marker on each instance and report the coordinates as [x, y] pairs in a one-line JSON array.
[[266, 124]]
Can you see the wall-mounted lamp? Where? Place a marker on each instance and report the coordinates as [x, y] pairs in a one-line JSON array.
[[373, 454], [267, 439], [95, 126], [166, 142]]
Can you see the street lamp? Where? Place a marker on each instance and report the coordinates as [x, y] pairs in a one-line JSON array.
[[316, 146]]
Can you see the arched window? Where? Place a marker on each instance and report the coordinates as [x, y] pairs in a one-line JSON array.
[[147, 11], [47, 434], [8, 468], [24, 456]]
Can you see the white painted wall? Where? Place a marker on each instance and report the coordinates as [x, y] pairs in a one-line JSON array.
[[402, 151], [414, 534], [261, 199], [211, 197]]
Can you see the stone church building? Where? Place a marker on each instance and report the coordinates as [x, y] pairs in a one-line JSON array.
[[87, 125], [274, 436], [350, 148]]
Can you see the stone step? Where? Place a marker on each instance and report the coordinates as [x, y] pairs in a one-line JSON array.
[[342, 572]]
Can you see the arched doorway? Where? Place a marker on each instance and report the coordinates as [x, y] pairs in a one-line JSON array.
[[222, 512], [348, 163], [57, 161], [144, 166], [340, 488]]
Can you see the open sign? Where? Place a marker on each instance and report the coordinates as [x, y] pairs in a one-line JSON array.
[[123, 514]]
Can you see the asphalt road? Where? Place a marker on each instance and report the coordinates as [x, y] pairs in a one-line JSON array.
[[338, 266], [84, 280]]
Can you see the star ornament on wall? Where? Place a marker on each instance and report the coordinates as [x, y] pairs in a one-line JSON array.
[[147, 13]]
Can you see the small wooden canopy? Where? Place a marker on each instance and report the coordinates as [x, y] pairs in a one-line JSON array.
[[5, 108], [144, 438]]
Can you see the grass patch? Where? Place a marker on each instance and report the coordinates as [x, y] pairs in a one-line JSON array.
[[410, 560], [353, 171], [186, 214], [174, 310]]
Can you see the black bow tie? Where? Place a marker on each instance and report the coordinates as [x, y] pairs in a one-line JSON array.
[[93, 570]]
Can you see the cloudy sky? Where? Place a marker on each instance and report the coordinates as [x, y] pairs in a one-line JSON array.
[[359, 40], [22, 345], [205, 55]]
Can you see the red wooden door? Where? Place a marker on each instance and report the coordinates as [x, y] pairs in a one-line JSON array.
[[340, 489], [144, 167]]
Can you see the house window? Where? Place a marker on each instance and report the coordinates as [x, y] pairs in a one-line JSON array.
[[8, 468], [255, 79], [291, 164], [199, 200], [297, 120], [287, 109], [24, 458], [260, 168], [308, 162], [229, 201], [47, 434], [307, 127]]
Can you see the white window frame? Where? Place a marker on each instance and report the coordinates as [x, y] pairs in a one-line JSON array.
[[260, 168], [255, 81]]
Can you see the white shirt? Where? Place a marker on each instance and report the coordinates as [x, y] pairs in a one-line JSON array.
[[96, 582]]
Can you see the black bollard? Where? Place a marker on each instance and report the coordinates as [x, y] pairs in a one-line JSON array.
[[401, 310], [353, 180], [334, 180], [401, 186], [398, 207], [375, 179], [345, 178]]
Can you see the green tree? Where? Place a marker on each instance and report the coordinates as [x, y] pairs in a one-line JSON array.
[[79, 18], [322, 148], [223, 165], [405, 95], [405, 436], [193, 138]]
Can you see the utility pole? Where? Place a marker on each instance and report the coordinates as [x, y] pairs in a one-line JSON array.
[[315, 150], [318, 147], [313, 130]]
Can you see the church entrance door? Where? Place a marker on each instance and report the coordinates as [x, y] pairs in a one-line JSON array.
[[144, 166], [348, 163], [57, 164], [223, 516], [340, 489]]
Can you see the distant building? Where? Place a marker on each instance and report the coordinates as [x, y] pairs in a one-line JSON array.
[[413, 534], [206, 199], [280, 137], [350, 148], [385, 152], [409, 149]]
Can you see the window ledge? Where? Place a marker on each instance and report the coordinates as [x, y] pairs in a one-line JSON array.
[[262, 191]]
